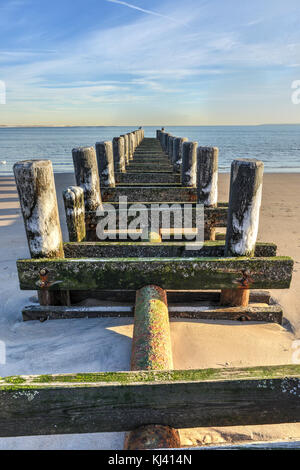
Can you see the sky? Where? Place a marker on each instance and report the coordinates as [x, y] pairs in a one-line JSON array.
[[149, 62]]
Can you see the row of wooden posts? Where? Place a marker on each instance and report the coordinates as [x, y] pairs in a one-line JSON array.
[[151, 411]]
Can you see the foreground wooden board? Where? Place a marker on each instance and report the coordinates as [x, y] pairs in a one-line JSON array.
[[168, 273], [146, 249], [264, 313], [122, 401]]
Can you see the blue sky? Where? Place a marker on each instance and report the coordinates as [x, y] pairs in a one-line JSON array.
[[109, 62]]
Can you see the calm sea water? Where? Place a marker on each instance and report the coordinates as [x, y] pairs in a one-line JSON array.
[[278, 146]]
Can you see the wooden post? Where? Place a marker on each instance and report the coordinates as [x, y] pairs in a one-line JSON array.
[[177, 152], [189, 164], [126, 148], [75, 213], [207, 183], [130, 145], [170, 146], [105, 159], [151, 350], [37, 194], [243, 220], [119, 154], [87, 177], [165, 141]]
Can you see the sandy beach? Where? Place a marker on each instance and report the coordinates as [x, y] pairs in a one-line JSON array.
[[88, 345]]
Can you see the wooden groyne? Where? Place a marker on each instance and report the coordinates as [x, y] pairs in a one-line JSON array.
[[151, 276]]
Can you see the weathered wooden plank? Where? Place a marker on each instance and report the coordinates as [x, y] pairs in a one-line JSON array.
[[122, 401], [264, 313], [145, 177], [169, 273], [174, 296], [213, 216], [147, 249], [150, 194]]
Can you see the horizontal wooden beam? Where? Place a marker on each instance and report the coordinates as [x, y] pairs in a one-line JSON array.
[[145, 177], [150, 194], [146, 249], [122, 401], [264, 313], [213, 216], [168, 273], [175, 297]]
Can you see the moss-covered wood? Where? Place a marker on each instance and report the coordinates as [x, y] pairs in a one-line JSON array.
[[265, 313], [169, 273], [150, 194], [146, 177], [147, 249], [121, 401]]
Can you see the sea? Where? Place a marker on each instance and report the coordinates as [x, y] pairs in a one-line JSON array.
[[278, 146]]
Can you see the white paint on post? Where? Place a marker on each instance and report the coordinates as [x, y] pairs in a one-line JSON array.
[[87, 177], [37, 194], [105, 159], [207, 175], [244, 207]]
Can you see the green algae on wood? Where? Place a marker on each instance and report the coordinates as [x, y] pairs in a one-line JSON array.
[[169, 273], [122, 401]]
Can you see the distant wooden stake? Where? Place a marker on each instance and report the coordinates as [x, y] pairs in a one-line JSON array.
[[151, 350], [207, 182], [119, 154], [87, 177], [126, 148], [177, 152], [189, 164], [105, 159], [243, 220], [75, 213], [37, 194]]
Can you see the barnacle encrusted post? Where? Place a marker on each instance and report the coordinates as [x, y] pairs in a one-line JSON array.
[[151, 350], [177, 153], [105, 159], [126, 148], [75, 213], [87, 177], [37, 194], [243, 221], [119, 154], [207, 182], [189, 164]]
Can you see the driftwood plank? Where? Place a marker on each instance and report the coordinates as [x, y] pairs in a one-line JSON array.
[[122, 401], [147, 249], [265, 313], [169, 273]]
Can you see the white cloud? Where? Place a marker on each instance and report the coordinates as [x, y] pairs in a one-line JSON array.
[[143, 10]]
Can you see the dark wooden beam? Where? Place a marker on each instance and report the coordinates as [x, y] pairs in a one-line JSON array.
[[122, 401]]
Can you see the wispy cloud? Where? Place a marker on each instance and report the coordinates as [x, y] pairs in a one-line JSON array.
[[143, 10]]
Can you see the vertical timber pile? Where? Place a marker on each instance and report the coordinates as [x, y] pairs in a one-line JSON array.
[[189, 164], [126, 148], [37, 194], [151, 350], [177, 153], [75, 213], [105, 159], [119, 154], [207, 182], [243, 220], [87, 178]]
